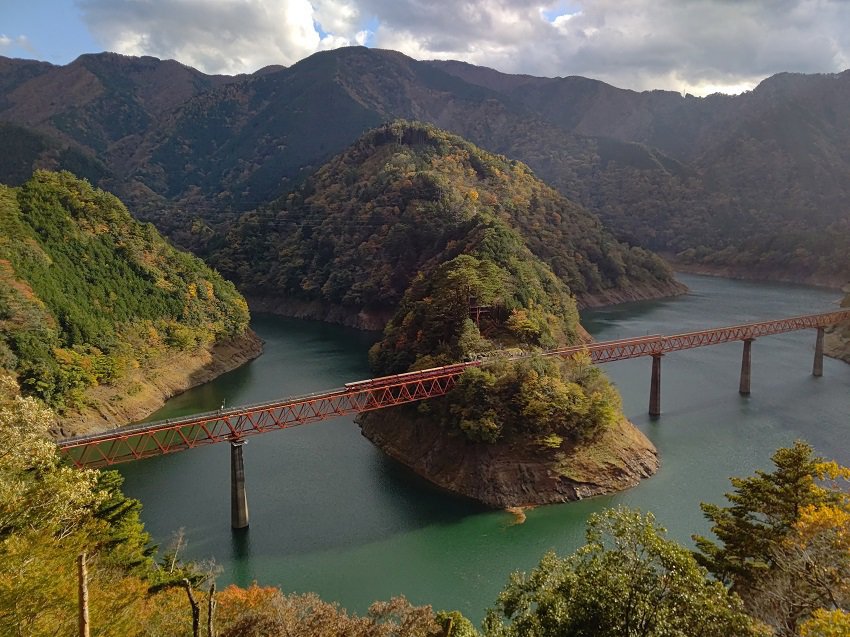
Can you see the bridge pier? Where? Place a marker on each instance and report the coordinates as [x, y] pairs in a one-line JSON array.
[[655, 386], [817, 367], [746, 367], [238, 497]]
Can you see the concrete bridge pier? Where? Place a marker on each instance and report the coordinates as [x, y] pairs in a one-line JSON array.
[[746, 367], [655, 386], [238, 497], [817, 368]]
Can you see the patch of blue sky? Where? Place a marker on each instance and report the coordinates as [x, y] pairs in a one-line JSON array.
[[370, 28], [318, 27], [560, 9], [51, 30]]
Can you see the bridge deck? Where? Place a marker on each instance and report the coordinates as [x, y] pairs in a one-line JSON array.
[[134, 442]]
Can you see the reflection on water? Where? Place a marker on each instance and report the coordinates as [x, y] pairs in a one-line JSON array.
[[331, 514]]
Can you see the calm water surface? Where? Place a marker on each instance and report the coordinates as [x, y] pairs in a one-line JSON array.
[[330, 514]]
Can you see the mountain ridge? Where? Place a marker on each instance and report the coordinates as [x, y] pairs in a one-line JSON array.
[[750, 181]]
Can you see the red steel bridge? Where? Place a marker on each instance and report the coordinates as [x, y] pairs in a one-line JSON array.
[[135, 442]]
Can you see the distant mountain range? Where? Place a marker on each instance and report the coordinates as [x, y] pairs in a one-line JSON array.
[[758, 183]]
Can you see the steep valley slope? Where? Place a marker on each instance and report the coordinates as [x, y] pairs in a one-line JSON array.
[[100, 317]]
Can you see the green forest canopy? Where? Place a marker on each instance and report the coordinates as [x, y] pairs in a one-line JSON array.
[[86, 292], [420, 224]]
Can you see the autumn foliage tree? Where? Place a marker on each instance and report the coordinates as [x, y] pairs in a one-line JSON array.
[[49, 513], [258, 611], [784, 542]]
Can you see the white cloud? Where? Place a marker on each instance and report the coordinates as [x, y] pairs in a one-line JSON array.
[[337, 16], [687, 45], [698, 46], [18, 42], [221, 36]]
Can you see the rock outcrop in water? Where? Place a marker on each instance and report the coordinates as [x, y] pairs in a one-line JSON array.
[[515, 474]]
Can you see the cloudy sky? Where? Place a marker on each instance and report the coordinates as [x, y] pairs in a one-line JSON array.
[[696, 46]]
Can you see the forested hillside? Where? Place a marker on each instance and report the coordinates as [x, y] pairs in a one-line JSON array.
[[406, 198], [468, 256], [755, 182], [91, 298]]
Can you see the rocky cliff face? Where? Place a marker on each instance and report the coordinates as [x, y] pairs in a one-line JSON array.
[[514, 474]]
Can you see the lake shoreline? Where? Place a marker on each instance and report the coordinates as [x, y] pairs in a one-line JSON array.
[[826, 282], [374, 320], [332, 514], [144, 391]]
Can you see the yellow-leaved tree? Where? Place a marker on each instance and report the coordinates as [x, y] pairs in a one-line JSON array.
[[784, 543], [49, 514]]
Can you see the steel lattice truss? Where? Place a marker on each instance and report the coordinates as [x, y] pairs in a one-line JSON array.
[[135, 442], [142, 441], [608, 351]]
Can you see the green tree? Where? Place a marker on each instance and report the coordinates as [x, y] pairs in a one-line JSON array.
[[629, 580], [779, 544], [49, 513], [536, 396], [456, 625], [82, 284]]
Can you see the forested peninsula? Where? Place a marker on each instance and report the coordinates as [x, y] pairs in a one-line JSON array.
[[404, 198], [100, 318], [463, 255]]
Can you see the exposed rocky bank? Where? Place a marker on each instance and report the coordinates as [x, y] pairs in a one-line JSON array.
[[837, 344], [836, 340], [320, 311], [144, 391], [376, 320], [634, 292], [513, 474], [768, 275]]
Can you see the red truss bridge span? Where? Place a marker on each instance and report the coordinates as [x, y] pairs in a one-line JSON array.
[[135, 442]]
